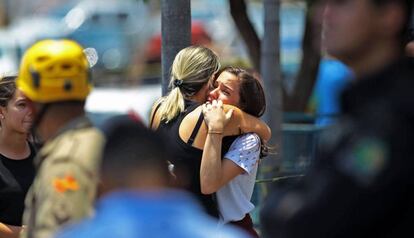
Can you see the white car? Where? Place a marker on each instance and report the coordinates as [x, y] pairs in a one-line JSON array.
[[103, 103]]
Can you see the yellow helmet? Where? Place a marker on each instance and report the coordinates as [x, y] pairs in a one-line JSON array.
[[54, 70]]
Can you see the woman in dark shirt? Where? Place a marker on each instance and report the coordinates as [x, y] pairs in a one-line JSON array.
[[16, 157]]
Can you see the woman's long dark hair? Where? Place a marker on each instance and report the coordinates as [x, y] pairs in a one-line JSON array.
[[252, 96]]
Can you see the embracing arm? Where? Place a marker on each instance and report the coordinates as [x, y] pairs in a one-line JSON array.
[[214, 173], [9, 231], [239, 123], [246, 123]]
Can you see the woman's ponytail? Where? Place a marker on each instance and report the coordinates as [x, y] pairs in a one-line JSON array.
[[171, 105]]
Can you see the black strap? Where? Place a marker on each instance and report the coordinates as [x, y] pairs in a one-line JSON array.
[[153, 115], [196, 128]]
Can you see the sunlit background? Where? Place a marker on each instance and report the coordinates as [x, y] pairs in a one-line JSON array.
[[126, 35]]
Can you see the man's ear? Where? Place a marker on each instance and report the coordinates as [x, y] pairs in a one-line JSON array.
[[392, 20]]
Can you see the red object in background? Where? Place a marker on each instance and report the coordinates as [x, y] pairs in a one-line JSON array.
[[134, 116], [199, 36]]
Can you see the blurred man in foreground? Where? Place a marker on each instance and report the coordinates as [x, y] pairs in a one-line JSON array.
[[361, 184], [138, 200]]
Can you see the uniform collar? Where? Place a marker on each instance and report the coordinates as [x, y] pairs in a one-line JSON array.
[[378, 85], [75, 124]]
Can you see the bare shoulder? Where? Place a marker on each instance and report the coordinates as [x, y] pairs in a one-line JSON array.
[[155, 119]]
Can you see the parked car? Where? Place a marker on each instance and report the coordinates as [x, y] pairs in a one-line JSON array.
[[103, 103]]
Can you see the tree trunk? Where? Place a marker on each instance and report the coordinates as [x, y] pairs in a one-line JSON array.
[[271, 73], [175, 34], [305, 79], [296, 101], [245, 27], [4, 13]]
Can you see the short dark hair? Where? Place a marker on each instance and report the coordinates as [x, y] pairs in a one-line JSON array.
[[252, 96], [130, 146]]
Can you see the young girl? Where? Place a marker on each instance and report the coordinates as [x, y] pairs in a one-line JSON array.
[[233, 177]]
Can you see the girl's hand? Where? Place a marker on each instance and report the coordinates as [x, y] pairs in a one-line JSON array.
[[215, 117]]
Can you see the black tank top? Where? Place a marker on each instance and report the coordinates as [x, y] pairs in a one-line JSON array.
[[16, 176], [186, 158]]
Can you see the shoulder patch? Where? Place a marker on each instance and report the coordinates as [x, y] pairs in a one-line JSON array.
[[365, 159], [65, 183]]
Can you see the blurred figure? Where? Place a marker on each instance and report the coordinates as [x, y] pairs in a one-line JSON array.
[[55, 76], [137, 199], [16, 156], [361, 183]]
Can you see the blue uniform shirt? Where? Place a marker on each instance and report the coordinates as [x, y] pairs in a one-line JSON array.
[[162, 214]]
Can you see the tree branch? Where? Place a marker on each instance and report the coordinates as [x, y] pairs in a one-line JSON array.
[[238, 12]]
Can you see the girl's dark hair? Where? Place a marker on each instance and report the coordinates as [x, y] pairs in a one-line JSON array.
[[7, 89], [252, 96]]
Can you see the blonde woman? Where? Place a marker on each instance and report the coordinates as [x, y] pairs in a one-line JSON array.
[[16, 157], [179, 115]]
